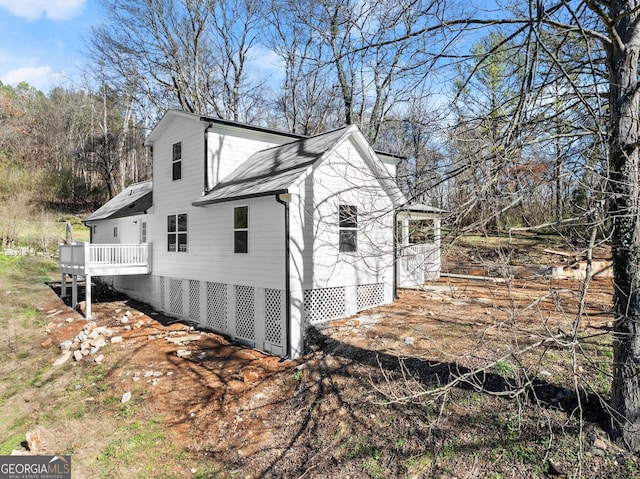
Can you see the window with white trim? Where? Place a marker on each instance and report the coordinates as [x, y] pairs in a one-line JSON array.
[[177, 233], [143, 232], [348, 221], [241, 229], [176, 162]]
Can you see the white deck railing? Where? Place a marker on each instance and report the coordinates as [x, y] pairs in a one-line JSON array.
[[105, 259]]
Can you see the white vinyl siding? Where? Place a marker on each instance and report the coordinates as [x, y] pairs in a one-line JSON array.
[[211, 245], [227, 149], [127, 228], [342, 179], [210, 228]]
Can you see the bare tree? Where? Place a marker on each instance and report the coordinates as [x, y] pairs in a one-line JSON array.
[[347, 42], [189, 54], [605, 32]]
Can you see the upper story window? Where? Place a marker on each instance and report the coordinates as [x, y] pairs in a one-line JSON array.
[[241, 229], [177, 233], [176, 162], [348, 218], [115, 231]]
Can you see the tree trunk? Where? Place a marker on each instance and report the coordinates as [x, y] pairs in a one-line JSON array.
[[623, 56]]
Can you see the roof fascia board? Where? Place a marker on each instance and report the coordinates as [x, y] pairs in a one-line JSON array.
[[165, 121], [238, 198], [251, 133], [227, 125]]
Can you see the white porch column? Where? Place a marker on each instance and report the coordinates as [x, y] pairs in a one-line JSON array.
[[405, 231]]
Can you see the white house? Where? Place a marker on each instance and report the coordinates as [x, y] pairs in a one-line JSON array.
[[250, 232]]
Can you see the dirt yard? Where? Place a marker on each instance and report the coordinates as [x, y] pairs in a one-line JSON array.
[[358, 404]]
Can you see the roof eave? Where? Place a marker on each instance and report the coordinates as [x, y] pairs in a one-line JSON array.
[[205, 202]]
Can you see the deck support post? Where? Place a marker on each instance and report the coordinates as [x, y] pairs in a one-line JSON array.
[[87, 313], [63, 286], [74, 290]]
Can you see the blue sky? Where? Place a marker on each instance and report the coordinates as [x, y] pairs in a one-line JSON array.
[[41, 40]]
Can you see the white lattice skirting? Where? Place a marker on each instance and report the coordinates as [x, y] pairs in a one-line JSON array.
[[254, 315], [258, 315], [326, 304]]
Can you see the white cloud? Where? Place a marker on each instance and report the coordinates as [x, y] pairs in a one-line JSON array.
[[41, 78], [265, 63], [51, 9]]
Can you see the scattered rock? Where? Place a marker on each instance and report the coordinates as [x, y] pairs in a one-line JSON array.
[[46, 343], [63, 358], [184, 339], [106, 332], [116, 339], [409, 341], [124, 320], [598, 443], [183, 353], [66, 345], [555, 469], [77, 355], [99, 358], [68, 320], [126, 397], [33, 440], [98, 342]]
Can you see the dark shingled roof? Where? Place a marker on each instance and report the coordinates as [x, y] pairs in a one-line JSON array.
[[133, 200], [273, 170]]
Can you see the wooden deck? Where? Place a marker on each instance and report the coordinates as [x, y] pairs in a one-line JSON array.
[[85, 259], [105, 259]]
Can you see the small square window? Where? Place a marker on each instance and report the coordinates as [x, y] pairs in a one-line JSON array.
[[348, 216], [348, 241]]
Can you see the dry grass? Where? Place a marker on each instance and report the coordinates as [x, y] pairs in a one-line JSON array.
[[360, 404]]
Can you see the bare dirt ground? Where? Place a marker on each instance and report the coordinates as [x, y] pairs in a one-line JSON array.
[[357, 405]]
